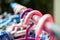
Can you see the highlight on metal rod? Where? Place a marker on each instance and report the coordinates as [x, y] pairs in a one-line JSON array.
[[54, 28]]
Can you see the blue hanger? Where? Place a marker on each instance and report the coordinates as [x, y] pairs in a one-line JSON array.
[[10, 19]]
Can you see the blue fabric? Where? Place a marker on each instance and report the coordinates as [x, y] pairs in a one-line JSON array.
[[31, 35], [42, 37], [10, 37], [2, 32], [5, 35]]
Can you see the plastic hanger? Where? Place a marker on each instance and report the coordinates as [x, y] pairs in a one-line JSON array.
[[40, 26], [22, 16], [34, 12], [25, 12]]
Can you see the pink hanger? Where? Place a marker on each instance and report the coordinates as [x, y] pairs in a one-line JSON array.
[[34, 12], [29, 15], [25, 12], [40, 26]]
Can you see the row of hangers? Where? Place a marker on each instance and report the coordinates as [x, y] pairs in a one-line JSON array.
[[35, 24]]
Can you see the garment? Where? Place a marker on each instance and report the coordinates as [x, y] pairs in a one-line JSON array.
[[4, 35], [31, 34]]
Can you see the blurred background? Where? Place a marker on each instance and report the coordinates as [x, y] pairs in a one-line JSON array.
[[45, 6]]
